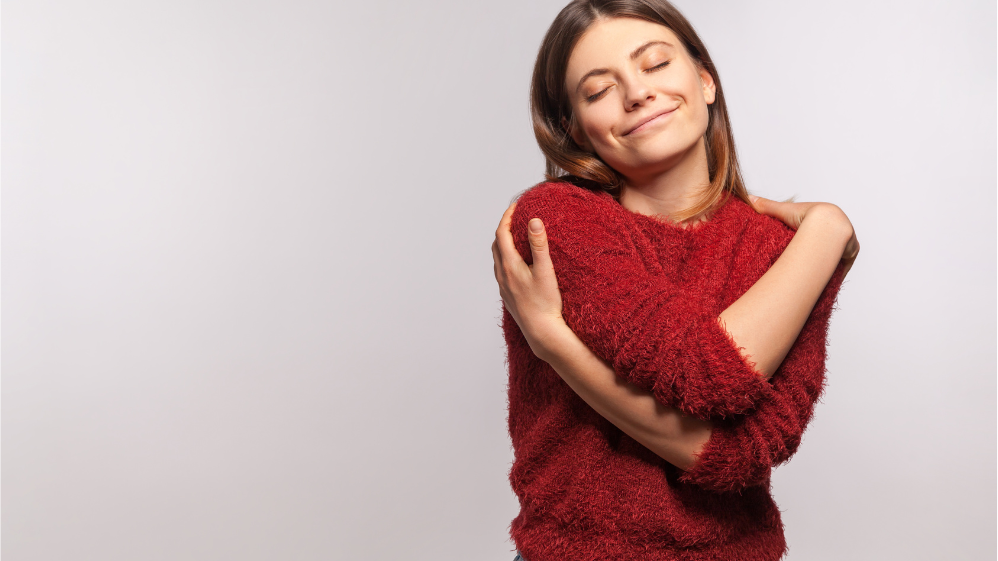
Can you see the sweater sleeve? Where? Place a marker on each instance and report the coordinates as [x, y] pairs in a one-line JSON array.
[[620, 303], [742, 451]]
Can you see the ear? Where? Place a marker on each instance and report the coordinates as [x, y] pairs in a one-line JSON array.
[[708, 86], [577, 134]]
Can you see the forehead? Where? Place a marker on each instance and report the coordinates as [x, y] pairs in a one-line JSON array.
[[609, 43]]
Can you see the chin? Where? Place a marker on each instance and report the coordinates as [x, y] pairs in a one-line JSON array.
[[652, 160], [663, 150]]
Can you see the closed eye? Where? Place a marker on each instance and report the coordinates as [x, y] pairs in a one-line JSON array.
[[598, 94]]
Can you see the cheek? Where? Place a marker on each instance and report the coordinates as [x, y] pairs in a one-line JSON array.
[[702, 116], [702, 109], [597, 125], [594, 132]]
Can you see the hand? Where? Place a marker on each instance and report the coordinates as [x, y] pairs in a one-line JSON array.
[[793, 214], [529, 292]]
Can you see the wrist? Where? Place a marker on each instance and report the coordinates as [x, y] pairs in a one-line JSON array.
[[547, 335]]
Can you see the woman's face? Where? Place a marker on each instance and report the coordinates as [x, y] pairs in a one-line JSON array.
[[639, 100]]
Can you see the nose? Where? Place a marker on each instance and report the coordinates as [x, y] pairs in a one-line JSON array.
[[636, 92]]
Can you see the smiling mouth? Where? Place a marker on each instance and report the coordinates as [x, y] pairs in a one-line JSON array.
[[643, 124]]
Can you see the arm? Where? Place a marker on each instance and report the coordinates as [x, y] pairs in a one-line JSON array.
[[622, 305], [674, 437], [741, 452], [656, 336], [532, 299], [726, 455], [531, 295], [766, 320]]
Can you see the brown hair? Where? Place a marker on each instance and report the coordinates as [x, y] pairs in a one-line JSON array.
[[552, 115]]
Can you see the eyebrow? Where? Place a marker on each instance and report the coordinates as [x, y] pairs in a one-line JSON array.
[[637, 52]]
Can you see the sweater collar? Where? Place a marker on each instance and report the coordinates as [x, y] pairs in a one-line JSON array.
[[718, 216]]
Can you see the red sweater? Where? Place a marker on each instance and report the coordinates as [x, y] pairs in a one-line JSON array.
[[645, 295]]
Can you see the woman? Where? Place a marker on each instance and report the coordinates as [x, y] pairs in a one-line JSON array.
[[666, 338]]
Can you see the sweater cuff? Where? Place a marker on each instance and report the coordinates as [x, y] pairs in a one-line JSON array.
[[727, 463], [731, 385]]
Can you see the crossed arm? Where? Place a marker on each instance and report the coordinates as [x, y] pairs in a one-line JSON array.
[[764, 323]]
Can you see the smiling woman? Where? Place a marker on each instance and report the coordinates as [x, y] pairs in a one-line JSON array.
[[620, 106], [666, 331], [644, 44]]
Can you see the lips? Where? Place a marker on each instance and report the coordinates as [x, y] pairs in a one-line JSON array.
[[649, 119]]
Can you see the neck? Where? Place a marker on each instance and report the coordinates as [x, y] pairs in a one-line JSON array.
[[670, 190]]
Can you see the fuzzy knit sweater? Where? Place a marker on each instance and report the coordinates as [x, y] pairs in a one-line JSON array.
[[644, 294]]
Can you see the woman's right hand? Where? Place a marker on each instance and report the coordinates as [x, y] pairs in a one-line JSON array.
[[793, 214], [529, 292]]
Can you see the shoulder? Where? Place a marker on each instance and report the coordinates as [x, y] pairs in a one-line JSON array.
[[756, 219], [759, 233], [554, 198], [573, 216], [563, 205]]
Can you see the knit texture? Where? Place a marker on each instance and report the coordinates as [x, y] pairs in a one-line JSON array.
[[644, 294]]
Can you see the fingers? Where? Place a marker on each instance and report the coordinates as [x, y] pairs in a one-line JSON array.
[[769, 207], [852, 251], [538, 237], [496, 261], [507, 219], [764, 205], [505, 256], [503, 246], [504, 237], [852, 247], [508, 264], [500, 273], [787, 212]]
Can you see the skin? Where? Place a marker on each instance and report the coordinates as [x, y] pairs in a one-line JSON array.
[[621, 73], [664, 172]]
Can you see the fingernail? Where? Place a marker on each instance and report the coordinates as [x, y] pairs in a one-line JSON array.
[[535, 225], [753, 198]]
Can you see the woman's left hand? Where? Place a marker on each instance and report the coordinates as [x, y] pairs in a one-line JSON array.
[[529, 292]]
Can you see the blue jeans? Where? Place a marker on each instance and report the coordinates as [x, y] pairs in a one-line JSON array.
[[519, 557]]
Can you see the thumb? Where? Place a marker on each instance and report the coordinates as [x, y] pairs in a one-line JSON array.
[[785, 211], [758, 202], [538, 243]]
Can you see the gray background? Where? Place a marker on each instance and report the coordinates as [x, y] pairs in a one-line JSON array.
[[249, 309]]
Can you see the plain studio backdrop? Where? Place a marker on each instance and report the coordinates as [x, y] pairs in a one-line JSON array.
[[249, 309]]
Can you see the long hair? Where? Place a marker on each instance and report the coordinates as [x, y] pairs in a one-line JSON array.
[[553, 120]]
